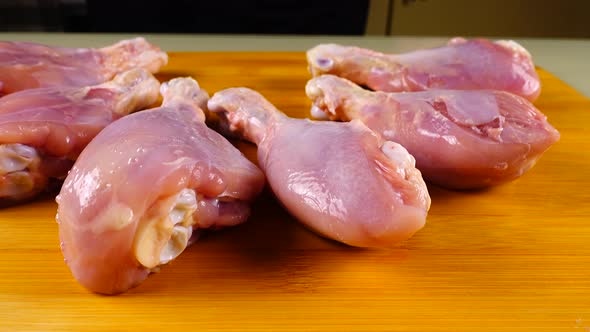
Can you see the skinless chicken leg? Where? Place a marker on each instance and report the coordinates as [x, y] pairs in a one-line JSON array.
[[460, 139], [144, 187], [42, 131], [339, 179], [28, 65], [460, 65]]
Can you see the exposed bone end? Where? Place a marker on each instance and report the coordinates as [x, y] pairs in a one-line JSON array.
[[137, 88], [319, 110], [185, 90], [133, 53], [324, 64], [166, 232], [324, 107], [318, 63], [318, 113], [245, 112], [312, 89], [338, 98]]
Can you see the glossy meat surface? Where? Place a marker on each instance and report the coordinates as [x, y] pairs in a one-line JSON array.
[[460, 65], [339, 179], [460, 139], [42, 131], [143, 186], [28, 65]]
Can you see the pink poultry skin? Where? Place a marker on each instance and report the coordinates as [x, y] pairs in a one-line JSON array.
[[28, 65], [460, 139], [42, 131], [339, 179], [141, 190], [460, 65]]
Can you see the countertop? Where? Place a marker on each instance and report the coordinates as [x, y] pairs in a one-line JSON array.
[[567, 59], [513, 257]]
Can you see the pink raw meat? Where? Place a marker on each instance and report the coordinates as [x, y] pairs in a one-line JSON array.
[[460, 139], [144, 185], [339, 179], [42, 131], [460, 65], [28, 65]]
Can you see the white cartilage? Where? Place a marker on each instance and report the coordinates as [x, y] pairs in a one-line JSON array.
[[318, 113], [17, 157], [325, 64], [167, 232], [19, 165]]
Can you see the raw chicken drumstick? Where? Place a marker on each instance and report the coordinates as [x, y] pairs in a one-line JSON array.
[[339, 179], [460, 139], [143, 188], [460, 65], [27, 65], [42, 131]]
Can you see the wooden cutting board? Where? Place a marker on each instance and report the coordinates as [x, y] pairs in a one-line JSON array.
[[511, 258]]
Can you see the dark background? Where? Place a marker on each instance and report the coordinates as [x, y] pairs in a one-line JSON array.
[[506, 18], [334, 17]]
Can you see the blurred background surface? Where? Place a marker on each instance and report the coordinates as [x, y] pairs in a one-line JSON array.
[[514, 18]]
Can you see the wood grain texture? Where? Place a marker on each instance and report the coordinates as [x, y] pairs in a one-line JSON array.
[[512, 258]]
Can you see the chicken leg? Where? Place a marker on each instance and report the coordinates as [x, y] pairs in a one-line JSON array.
[[28, 65], [460, 65], [42, 131], [460, 139], [339, 179], [143, 188]]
